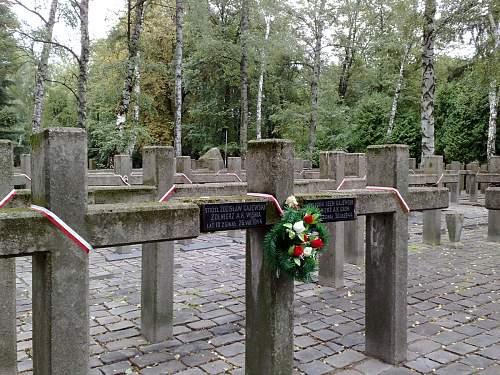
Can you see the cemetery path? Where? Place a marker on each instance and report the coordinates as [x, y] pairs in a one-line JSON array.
[[453, 311]]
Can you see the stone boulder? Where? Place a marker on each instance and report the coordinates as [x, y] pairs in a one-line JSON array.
[[205, 160]]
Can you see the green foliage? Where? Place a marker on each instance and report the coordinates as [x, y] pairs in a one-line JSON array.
[[370, 118], [462, 110]]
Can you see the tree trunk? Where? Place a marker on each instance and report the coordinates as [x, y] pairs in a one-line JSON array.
[[84, 61], [397, 91], [121, 114], [42, 70], [428, 79], [260, 92], [137, 104], [244, 80], [492, 124], [346, 73], [493, 94], [316, 75], [179, 44]]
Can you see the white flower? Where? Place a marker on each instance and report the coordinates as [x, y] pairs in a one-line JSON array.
[[299, 227], [291, 201], [308, 251]]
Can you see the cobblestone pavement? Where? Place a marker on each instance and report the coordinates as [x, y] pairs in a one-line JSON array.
[[453, 312]]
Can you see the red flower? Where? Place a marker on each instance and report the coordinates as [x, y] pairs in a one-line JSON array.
[[317, 243], [309, 219], [306, 238], [298, 251]]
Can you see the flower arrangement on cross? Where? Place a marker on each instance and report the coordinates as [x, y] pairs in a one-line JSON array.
[[293, 244]]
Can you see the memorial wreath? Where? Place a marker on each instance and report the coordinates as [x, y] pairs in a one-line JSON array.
[[293, 244]]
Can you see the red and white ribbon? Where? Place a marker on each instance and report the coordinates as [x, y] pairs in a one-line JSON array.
[[167, 195], [186, 177], [440, 178], [63, 227], [124, 179], [341, 184], [235, 175], [25, 175], [7, 199], [402, 201], [271, 198]]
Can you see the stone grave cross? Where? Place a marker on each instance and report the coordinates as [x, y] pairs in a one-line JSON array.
[[60, 268]]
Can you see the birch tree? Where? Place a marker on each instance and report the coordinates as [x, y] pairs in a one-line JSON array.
[[42, 68], [179, 44], [312, 17], [397, 90], [128, 84], [494, 31], [83, 7], [244, 80], [428, 79], [260, 91]]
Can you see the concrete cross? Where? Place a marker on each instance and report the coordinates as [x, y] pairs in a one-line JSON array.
[[60, 268]]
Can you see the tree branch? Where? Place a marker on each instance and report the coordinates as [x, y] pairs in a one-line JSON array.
[[54, 43], [17, 2], [65, 85]]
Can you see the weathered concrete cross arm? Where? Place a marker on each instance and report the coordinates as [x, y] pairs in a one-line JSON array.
[[23, 232], [492, 198], [488, 178], [375, 202], [428, 198], [123, 224]]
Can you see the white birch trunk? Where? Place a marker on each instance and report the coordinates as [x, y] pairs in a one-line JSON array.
[[492, 124], [137, 104], [179, 44], [316, 75], [121, 114], [244, 80], [397, 91], [260, 92], [493, 94], [84, 61], [42, 69], [428, 79]]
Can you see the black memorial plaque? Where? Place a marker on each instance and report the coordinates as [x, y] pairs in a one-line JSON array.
[[227, 216], [340, 209]]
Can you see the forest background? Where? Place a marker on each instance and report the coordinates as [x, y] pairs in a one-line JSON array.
[[330, 75]]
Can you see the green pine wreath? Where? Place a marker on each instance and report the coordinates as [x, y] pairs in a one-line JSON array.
[[293, 244]]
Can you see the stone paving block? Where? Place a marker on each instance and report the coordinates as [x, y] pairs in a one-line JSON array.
[[231, 350], [455, 369], [442, 356], [424, 346], [492, 352], [164, 368], [372, 366], [477, 362], [345, 358], [118, 356], [482, 340], [315, 368], [307, 355], [304, 341], [461, 348], [151, 359], [116, 368], [424, 365], [492, 370], [216, 367]]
